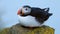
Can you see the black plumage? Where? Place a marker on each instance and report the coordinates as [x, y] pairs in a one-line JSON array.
[[41, 15]]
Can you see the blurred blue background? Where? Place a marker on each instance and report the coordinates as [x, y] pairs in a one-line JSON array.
[[9, 8]]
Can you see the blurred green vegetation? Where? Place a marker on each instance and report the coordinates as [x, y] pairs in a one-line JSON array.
[[4, 31]]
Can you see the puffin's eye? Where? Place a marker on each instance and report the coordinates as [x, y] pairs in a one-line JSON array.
[[26, 9]]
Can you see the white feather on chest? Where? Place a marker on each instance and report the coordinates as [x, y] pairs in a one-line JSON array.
[[29, 21]]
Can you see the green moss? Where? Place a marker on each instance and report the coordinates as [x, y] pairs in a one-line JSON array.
[[4, 31], [19, 30]]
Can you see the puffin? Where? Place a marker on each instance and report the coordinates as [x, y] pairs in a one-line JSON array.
[[33, 16]]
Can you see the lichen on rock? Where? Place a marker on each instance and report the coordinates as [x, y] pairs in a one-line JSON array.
[[16, 29]]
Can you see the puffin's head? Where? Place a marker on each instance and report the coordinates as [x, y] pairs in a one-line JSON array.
[[24, 11]]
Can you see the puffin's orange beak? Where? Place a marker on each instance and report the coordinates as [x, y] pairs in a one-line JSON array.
[[20, 12]]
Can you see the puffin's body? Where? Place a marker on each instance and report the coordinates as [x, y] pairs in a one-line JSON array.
[[32, 16]]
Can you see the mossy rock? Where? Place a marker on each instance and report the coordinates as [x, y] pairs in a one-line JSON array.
[[16, 29]]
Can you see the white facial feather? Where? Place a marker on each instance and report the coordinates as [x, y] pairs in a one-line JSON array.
[[29, 21], [26, 11]]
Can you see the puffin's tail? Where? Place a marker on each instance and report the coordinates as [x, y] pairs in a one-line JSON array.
[[46, 9]]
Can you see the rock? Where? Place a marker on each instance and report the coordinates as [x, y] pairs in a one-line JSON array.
[[17, 29]]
